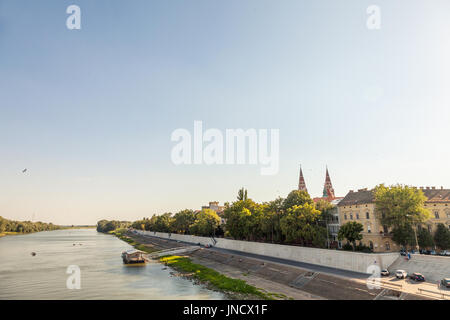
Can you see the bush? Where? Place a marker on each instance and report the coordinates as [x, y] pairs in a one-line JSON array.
[[347, 247], [363, 248]]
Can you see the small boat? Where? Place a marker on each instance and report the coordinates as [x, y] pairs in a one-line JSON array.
[[133, 256]]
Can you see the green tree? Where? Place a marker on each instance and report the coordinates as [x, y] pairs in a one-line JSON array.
[[111, 225], [404, 236], [442, 237], [206, 222], [162, 223], [325, 209], [298, 224], [297, 198], [326, 217], [425, 239], [270, 222], [351, 231], [242, 194], [399, 206], [3, 223], [183, 220], [244, 220]]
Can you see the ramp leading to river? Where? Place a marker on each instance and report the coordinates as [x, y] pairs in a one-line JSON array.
[[173, 251]]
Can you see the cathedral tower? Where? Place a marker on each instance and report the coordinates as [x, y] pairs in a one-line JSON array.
[[301, 182], [328, 191]]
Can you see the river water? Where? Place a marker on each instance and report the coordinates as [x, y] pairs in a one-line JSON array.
[[102, 273]]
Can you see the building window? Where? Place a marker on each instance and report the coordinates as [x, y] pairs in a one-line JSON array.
[[345, 217], [436, 214], [388, 246], [351, 216], [367, 215], [357, 216], [385, 229], [369, 228]]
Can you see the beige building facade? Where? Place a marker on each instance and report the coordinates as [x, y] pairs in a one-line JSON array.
[[359, 206]]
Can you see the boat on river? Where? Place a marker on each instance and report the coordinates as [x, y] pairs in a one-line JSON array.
[[133, 256]]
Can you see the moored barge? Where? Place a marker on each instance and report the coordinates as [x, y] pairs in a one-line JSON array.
[[133, 256]]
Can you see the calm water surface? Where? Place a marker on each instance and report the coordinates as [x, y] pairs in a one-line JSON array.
[[103, 275]]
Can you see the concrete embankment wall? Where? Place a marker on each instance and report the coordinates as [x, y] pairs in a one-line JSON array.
[[345, 260]]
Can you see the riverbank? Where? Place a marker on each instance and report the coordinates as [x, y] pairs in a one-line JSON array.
[[234, 289], [122, 235], [4, 234]]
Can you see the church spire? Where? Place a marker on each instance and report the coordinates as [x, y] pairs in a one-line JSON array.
[[301, 182], [328, 191]]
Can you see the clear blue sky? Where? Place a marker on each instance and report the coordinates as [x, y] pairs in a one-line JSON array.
[[90, 112]]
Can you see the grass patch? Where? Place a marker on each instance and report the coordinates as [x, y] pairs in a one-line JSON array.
[[212, 277]]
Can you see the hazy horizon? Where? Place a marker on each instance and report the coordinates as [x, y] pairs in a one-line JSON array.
[[90, 112]]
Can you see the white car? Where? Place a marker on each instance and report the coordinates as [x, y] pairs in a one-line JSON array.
[[401, 274], [385, 272]]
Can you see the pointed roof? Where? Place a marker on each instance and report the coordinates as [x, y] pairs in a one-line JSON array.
[[328, 191], [301, 182]]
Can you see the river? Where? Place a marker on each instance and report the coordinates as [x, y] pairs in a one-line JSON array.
[[102, 273]]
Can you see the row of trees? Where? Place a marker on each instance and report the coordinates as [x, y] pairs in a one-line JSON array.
[[25, 226], [352, 231], [111, 225], [202, 223], [295, 219], [425, 239]]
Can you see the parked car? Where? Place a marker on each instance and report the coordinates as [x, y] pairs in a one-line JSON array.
[[417, 277], [385, 272], [445, 253], [401, 274], [433, 253], [402, 252], [445, 282]]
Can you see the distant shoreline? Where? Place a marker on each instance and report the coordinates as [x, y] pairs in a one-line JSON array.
[[11, 233]]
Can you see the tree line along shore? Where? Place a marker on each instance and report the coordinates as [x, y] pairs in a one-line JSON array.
[[298, 220], [12, 227]]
